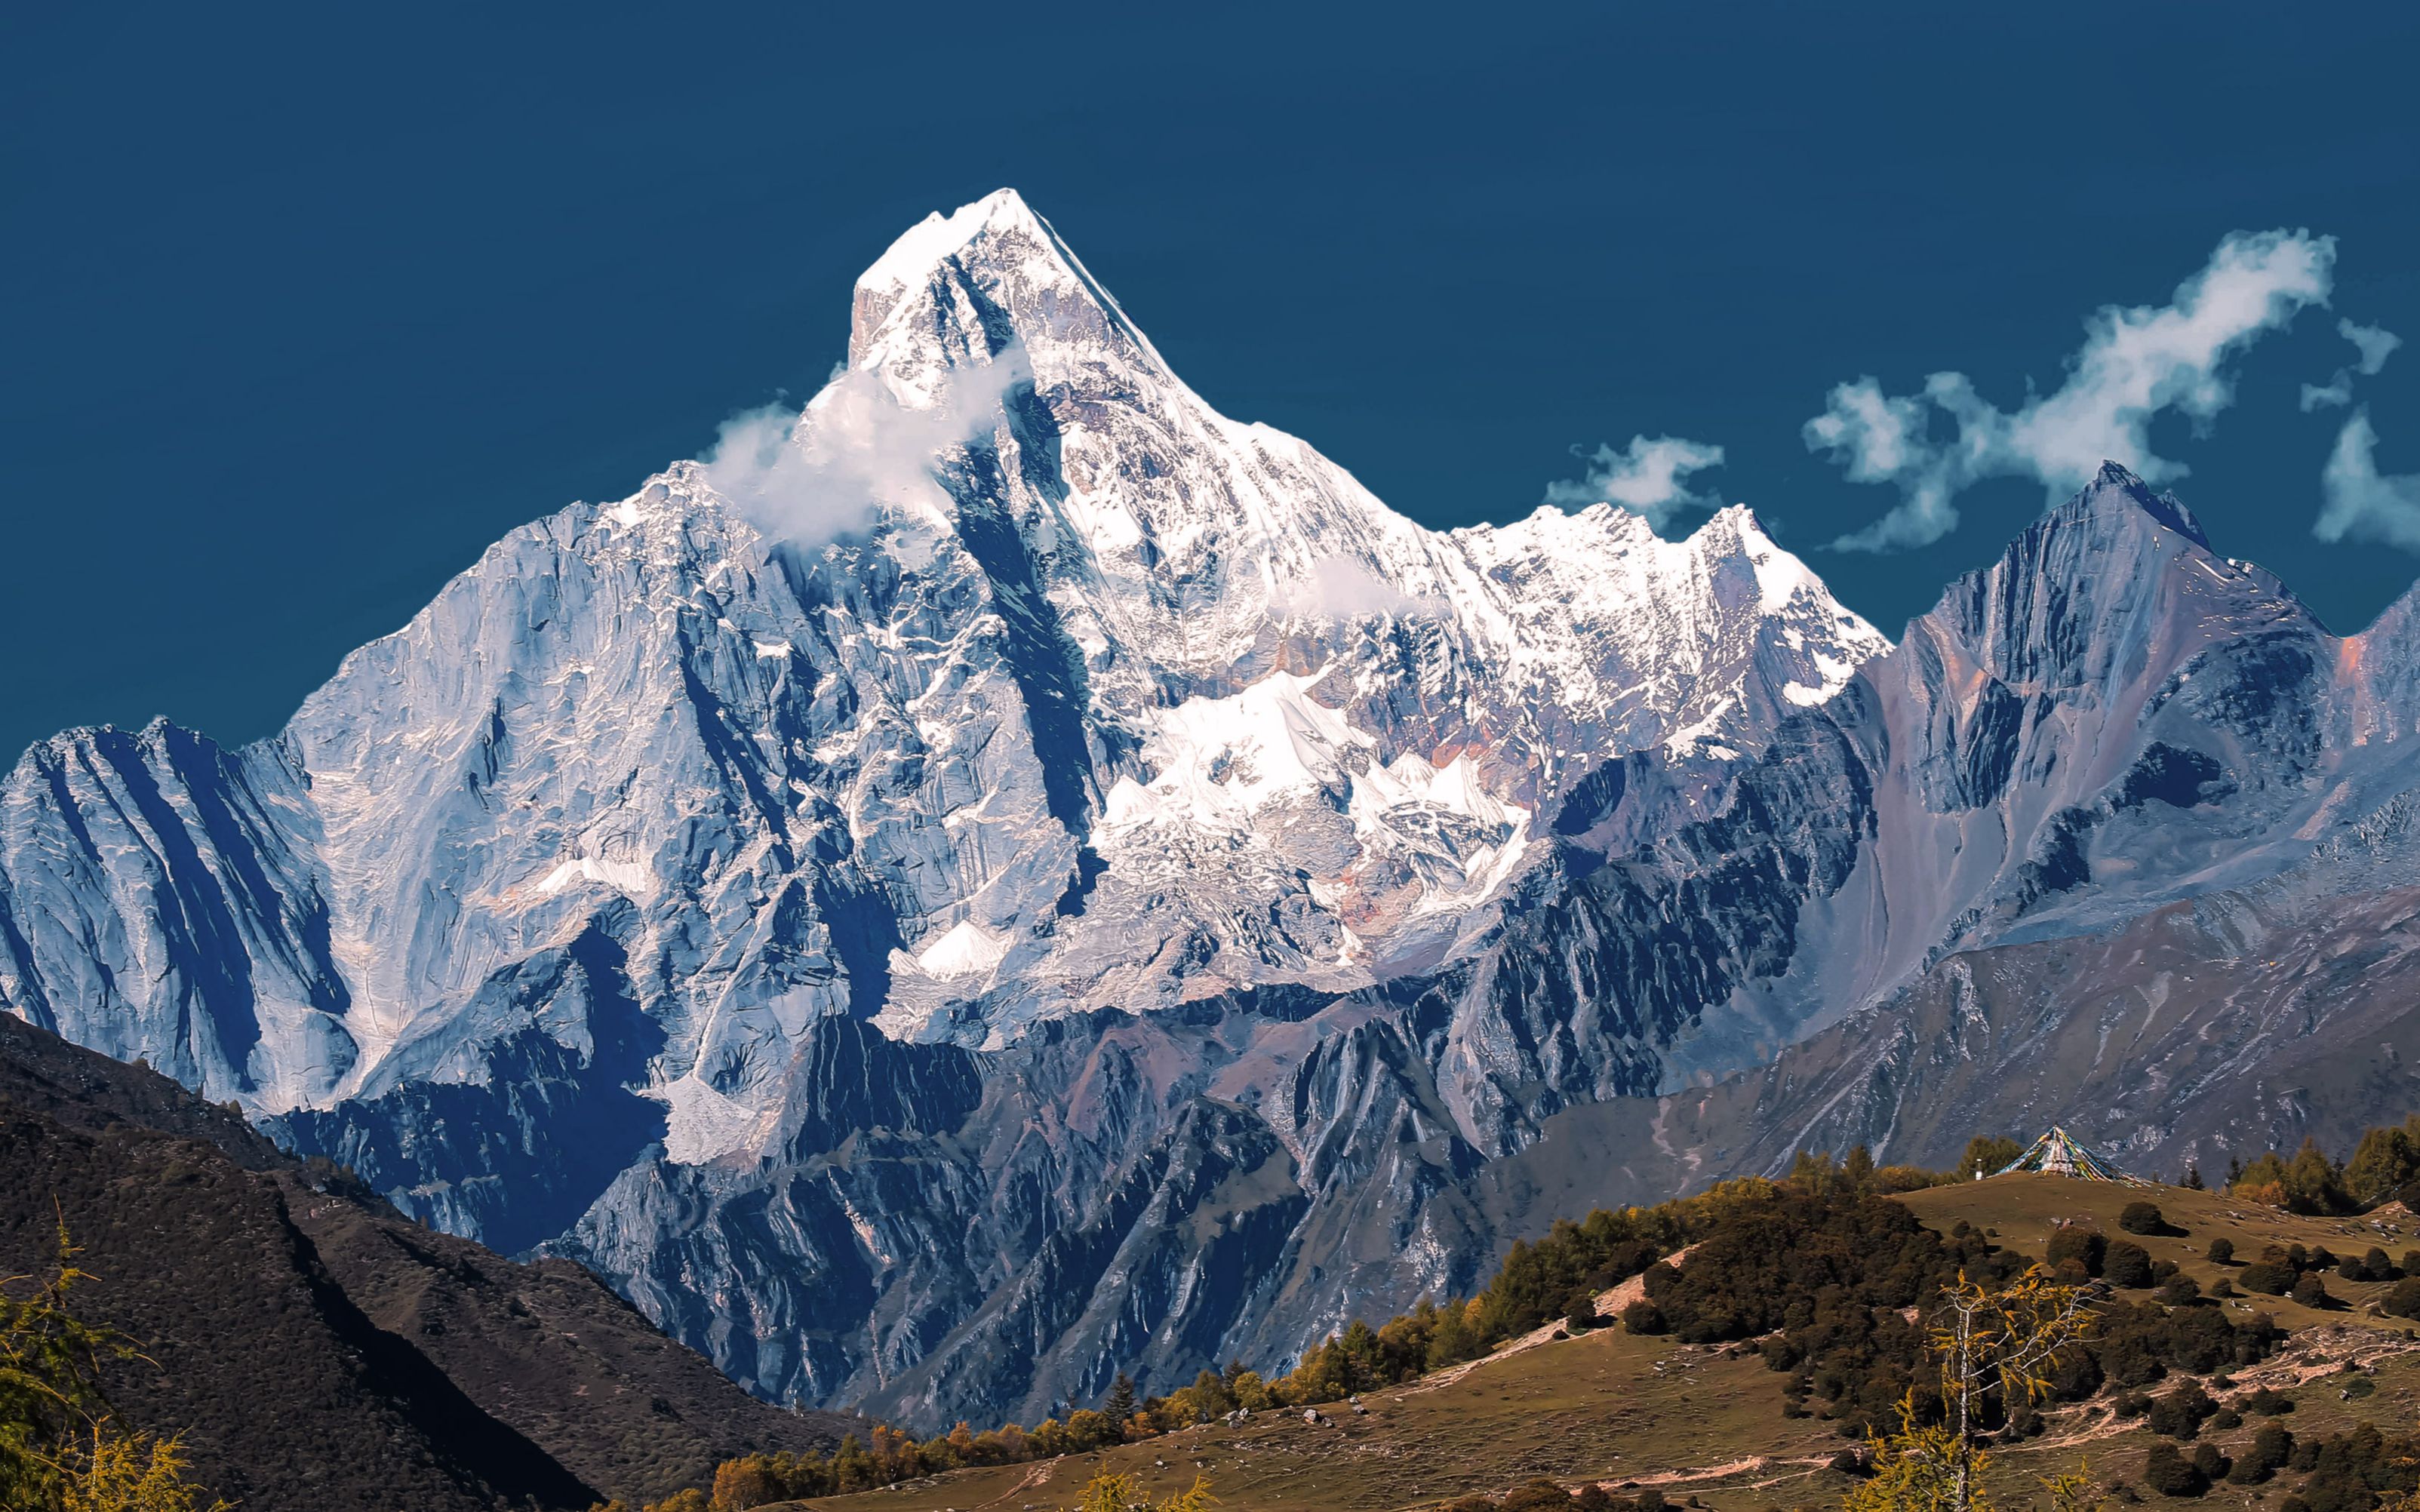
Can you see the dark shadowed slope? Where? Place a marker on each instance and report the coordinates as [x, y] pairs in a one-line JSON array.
[[320, 1350]]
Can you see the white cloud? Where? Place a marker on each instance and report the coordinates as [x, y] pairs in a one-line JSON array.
[[2135, 363], [2334, 394], [1341, 588], [1649, 477], [2362, 504], [2376, 344], [857, 451]]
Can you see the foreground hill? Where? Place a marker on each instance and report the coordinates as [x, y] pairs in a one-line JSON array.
[[1710, 1422], [320, 1351]]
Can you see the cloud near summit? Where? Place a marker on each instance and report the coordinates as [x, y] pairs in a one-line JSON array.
[[2361, 502], [857, 451], [1649, 477], [2137, 362]]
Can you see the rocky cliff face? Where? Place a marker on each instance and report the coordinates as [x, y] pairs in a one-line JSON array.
[[1030, 878]]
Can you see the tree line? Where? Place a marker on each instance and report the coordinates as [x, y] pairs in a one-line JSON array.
[[2384, 1167]]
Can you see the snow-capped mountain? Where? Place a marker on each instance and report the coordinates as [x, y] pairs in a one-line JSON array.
[[1021, 876], [1145, 705]]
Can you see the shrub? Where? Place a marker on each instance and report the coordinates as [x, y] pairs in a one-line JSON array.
[[2268, 1277], [2209, 1463], [1537, 1496], [2081, 1242], [2349, 1469], [1644, 1317], [2075, 1374], [2269, 1403], [2131, 1404], [2179, 1414], [2166, 1471], [2145, 1218], [2222, 1251], [2311, 1292], [2226, 1420], [2179, 1290], [2268, 1453], [1581, 1312], [2127, 1264], [2402, 1300]]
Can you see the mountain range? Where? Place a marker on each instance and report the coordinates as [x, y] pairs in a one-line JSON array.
[[1028, 878]]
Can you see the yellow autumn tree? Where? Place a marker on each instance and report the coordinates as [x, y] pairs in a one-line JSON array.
[[1107, 1492], [60, 1450], [1986, 1344]]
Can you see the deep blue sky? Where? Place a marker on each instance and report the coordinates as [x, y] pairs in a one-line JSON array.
[[302, 308]]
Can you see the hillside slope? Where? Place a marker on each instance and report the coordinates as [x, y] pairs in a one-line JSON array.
[[1707, 1420], [318, 1350]]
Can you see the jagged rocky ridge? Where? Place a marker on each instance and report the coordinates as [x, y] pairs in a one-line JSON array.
[[1130, 899]]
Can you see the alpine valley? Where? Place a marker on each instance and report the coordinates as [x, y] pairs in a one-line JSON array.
[[1033, 878]]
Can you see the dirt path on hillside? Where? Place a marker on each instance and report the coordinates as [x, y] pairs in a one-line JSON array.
[[1608, 1305]]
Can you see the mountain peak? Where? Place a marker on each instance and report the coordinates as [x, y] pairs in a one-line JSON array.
[[2116, 490], [909, 262], [964, 282]]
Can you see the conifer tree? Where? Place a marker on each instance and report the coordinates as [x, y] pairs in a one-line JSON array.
[[1120, 1403], [1858, 1170], [1986, 1154]]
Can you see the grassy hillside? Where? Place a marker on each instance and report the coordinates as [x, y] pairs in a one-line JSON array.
[[1708, 1421], [2025, 1210]]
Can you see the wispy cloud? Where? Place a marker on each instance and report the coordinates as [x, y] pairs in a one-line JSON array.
[[2135, 363], [856, 450], [2375, 344], [1341, 588], [2335, 393], [1649, 477], [2362, 504]]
